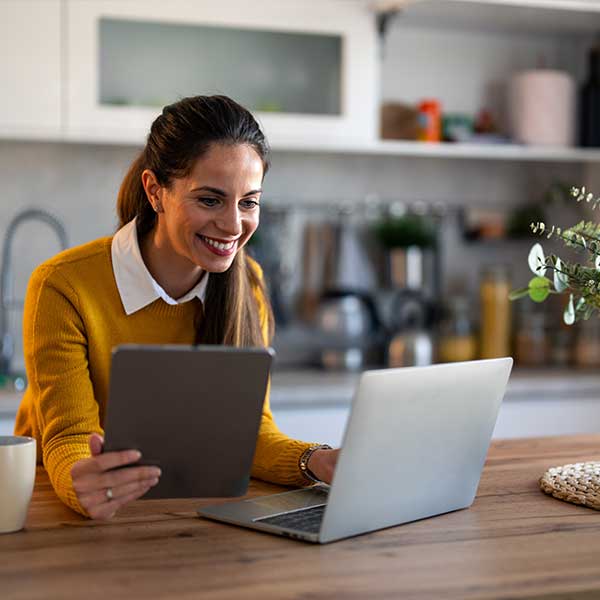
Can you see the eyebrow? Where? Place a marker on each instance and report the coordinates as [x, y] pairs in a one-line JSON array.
[[219, 192]]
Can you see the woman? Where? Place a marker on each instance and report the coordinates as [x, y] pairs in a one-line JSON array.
[[175, 272]]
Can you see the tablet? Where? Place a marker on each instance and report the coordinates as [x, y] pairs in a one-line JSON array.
[[193, 411]]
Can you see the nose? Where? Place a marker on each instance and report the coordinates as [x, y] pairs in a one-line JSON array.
[[230, 222]]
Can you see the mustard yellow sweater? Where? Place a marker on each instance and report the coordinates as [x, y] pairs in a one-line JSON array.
[[73, 318]]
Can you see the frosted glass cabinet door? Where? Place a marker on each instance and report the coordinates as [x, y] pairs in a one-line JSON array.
[[306, 68], [30, 69]]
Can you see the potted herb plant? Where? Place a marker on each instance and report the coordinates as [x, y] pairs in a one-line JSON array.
[[405, 238]]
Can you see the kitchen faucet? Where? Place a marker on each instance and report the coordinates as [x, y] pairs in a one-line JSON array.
[[6, 279]]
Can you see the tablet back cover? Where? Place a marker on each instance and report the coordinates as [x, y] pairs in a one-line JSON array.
[[193, 411]]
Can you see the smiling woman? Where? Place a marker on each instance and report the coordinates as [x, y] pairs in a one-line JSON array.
[[174, 272]]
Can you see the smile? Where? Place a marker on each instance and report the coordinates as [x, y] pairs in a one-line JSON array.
[[219, 248]]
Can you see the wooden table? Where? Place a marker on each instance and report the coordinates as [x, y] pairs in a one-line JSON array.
[[514, 542]]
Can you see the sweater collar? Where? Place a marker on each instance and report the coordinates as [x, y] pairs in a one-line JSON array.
[[136, 286]]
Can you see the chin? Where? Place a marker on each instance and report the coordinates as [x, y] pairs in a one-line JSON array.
[[217, 269], [214, 265]]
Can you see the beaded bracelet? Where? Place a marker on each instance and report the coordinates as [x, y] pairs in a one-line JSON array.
[[305, 457]]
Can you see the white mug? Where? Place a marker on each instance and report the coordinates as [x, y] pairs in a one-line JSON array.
[[17, 476]]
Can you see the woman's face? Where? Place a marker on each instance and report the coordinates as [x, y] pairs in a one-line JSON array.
[[208, 216]]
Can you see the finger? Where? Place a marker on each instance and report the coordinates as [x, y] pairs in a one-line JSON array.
[[111, 460], [112, 479], [123, 491], [93, 482], [103, 462], [96, 442], [98, 497], [106, 510]]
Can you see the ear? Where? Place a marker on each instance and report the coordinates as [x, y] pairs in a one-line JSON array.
[[153, 190]]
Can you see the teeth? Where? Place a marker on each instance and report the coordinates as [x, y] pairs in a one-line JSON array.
[[218, 245]]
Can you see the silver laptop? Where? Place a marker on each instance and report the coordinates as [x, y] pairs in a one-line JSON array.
[[414, 447]]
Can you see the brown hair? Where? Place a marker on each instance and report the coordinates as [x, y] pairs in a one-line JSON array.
[[178, 138]]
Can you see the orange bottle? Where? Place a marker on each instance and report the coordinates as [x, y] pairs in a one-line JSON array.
[[430, 121]]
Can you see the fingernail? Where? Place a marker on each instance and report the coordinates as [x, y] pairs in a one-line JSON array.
[[136, 455], [156, 472], [153, 481]]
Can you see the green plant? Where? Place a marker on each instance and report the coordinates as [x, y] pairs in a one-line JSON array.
[[405, 231], [580, 280]]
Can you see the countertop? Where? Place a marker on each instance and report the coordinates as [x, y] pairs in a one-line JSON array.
[[513, 542], [314, 387]]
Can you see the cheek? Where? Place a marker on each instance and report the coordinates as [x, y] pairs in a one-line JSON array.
[[251, 225]]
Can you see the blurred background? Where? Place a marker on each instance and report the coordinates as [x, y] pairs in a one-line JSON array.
[[413, 142]]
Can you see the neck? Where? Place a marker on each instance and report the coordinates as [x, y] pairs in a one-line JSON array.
[[174, 273]]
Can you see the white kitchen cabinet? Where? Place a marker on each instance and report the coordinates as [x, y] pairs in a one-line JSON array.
[[7, 425], [115, 89], [532, 417], [52, 66], [323, 425], [314, 405], [537, 417], [30, 69], [9, 404]]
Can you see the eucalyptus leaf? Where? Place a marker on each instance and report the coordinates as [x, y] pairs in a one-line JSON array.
[[537, 260], [569, 314], [539, 288], [561, 280]]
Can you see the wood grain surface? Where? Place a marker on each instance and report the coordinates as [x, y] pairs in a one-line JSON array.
[[514, 542]]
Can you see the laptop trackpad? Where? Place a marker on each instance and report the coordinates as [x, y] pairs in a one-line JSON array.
[[288, 501]]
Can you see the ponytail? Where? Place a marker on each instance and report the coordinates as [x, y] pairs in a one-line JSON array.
[[132, 201]]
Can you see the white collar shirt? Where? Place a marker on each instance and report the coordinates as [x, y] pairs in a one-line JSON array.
[[136, 286]]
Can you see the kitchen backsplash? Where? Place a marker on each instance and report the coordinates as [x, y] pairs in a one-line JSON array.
[[78, 183]]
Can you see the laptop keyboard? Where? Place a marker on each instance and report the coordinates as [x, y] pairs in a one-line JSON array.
[[307, 519]]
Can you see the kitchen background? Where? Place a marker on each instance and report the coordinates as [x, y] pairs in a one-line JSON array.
[[378, 252]]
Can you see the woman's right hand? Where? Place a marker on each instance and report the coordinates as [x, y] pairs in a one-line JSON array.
[[92, 477]]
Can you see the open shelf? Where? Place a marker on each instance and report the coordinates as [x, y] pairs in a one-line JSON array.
[[506, 152]]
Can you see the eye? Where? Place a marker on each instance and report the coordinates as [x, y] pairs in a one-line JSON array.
[[249, 204], [208, 201]]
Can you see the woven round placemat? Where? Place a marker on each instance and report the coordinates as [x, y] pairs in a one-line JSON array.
[[578, 483]]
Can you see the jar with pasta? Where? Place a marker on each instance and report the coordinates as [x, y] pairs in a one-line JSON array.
[[495, 322]]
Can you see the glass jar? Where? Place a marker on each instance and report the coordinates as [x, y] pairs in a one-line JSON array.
[[561, 347], [456, 339], [531, 344], [495, 312], [587, 346]]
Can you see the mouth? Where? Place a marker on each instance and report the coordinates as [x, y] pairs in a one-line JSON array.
[[218, 247]]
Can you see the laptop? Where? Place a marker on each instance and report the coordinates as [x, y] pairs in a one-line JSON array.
[[193, 411], [414, 447]]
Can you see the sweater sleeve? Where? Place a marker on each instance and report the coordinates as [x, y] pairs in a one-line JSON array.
[[55, 347], [277, 456]]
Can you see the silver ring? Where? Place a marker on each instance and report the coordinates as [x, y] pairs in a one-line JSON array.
[[109, 494]]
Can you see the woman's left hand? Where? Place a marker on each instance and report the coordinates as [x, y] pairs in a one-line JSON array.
[[322, 464]]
